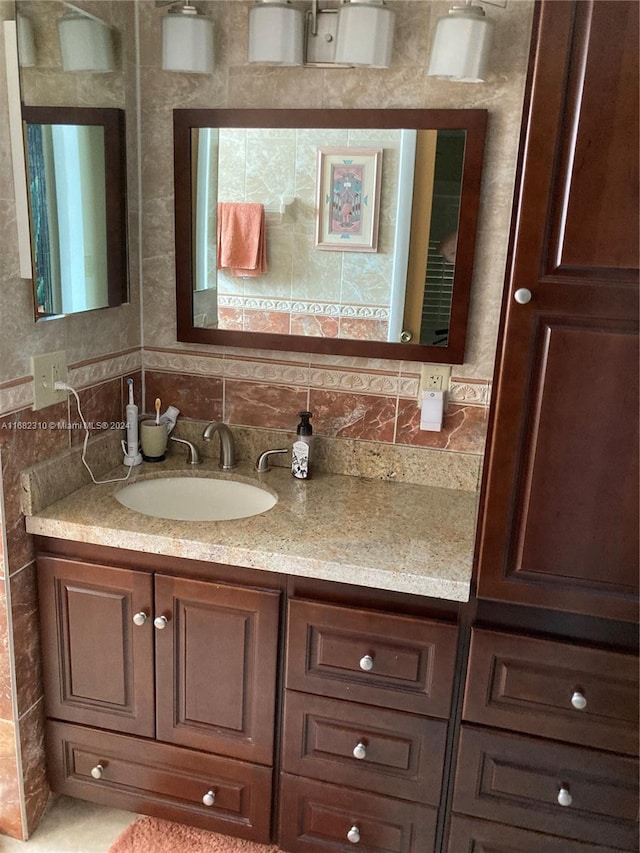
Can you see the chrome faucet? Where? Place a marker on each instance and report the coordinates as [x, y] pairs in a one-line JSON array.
[[194, 455], [227, 448]]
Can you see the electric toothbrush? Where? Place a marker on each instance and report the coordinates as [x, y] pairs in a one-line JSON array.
[[132, 455]]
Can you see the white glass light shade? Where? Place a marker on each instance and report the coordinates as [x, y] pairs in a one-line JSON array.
[[276, 33], [85, 44], [26, 42], [461, 45], [365, 34], [187, 42]]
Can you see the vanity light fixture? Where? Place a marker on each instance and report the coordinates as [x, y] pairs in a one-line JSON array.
[[365, 33], [26, 41], [86, 42], [276, 33], [462, 43], [187, 40], [358, 32]]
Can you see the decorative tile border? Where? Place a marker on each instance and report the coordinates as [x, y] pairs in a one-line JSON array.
[[297, 306], [470, 392], [18, 394], [83, 375]]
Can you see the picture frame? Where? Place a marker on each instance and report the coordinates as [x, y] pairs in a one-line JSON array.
[[348, 199]]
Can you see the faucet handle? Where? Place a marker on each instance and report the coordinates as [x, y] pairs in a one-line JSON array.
[[262, 463]]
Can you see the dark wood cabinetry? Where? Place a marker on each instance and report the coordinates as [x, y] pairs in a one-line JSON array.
[[177, 660], [559, 524], [367, 699], [546, 750]]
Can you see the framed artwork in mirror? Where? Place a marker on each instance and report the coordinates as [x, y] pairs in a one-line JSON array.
[[348, 199]]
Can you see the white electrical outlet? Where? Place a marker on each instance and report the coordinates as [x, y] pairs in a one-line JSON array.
[[434, 377], [46, 370]]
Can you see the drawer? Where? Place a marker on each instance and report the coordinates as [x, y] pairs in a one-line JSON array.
[[524, 782], [387, 752], [557, 690], [374, 658], [161, 780], [319, 818], [481, 836]]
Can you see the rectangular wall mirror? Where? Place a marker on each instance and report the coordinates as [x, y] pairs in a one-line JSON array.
[[77, 208], [369, 229]]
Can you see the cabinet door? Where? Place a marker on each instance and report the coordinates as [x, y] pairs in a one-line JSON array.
[[98, 663], [216, 667], [560, 521]]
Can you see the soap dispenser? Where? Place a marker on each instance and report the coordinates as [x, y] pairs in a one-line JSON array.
[[301, 450]]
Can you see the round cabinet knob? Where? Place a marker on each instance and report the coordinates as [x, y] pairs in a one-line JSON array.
[[523, 295], [353, 835], [97, 771], [578, 701], [406, 336], [140, 618], [360, 750], [366, 663], [564, 797], [160, 622], [209, 798]]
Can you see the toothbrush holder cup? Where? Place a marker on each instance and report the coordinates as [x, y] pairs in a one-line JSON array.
[[153, 438]]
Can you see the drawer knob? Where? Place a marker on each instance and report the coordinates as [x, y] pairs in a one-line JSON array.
[[564, 797], [366, 663], [160, 622], [209, 798], [360, 750], [97, 771], [578, 701], [353, 835], [140, 618]]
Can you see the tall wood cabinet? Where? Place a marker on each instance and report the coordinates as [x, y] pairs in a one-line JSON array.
[[547, 739], [560, 520]]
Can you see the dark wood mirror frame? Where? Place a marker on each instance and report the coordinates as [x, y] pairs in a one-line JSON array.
[[474, 122], [113, 122]]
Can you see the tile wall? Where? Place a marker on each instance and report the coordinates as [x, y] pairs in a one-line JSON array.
[[355, 399]]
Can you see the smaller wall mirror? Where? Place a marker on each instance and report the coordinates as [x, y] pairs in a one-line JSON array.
[[77, 208], [366, 233]]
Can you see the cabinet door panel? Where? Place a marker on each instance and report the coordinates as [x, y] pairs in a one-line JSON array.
[[518, 780], [317, 818], [98, 665], [411, 660], [481, 836], [559, 523], [404, 754], [527, 684], [216, 667], [161, 780]]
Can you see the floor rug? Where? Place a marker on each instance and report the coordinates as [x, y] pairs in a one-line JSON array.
[[152, 835]]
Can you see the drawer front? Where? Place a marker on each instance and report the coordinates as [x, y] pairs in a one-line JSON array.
[[387, 752], [160, 780], [557, 690], [375, 658], [568, 791], [319, 818], [481, 836]]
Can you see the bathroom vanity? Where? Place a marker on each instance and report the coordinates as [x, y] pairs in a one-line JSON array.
[[266, 700]]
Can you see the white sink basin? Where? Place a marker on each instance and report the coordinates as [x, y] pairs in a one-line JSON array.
[[196, 498]]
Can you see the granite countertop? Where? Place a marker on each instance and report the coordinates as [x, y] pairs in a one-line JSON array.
[[388, 535]]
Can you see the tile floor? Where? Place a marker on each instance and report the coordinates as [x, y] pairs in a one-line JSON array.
[[72, 826]]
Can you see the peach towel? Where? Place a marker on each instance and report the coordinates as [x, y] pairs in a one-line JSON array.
[[241, 238]]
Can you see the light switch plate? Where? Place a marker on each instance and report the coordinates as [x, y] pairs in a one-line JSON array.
[[46, 370]]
